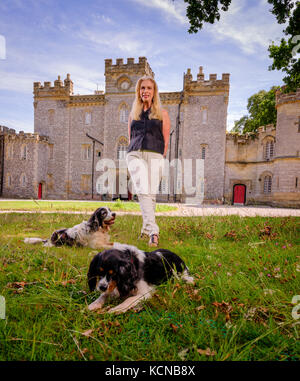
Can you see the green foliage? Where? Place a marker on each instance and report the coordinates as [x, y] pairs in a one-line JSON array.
[[199, 12], [208, 11], [261, 109], [284, 55], [240, 306]]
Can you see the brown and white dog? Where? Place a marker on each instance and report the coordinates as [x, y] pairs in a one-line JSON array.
[[92, 233], [126, 272]]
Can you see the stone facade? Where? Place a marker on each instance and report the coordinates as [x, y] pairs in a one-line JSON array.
[[72, 132], [267, 164]]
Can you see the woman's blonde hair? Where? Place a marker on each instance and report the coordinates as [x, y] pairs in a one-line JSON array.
[[137, 107]]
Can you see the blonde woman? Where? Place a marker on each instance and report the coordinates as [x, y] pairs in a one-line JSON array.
[[149, 133]]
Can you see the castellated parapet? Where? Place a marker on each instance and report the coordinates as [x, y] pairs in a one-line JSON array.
[[202, 86], [60, 89], [123, 76], [282, 98]]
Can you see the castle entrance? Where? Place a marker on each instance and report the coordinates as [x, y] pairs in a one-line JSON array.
[[40, 191], [239, 194]]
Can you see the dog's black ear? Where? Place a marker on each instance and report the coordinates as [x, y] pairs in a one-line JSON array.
[[93, 272], [127, 277], [96, 220]]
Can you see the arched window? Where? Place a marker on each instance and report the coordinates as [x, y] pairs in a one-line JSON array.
[[203, 151], [124, 113], [268, 184], [269, 149], [122, 148]]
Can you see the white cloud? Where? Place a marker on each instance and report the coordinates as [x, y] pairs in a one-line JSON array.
[[16, 82], [172, 10], [251, 27], [17, 124]]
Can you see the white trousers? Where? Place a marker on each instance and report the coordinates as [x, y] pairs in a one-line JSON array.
[[146, 170]]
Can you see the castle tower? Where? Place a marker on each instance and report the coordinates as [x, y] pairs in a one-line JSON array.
[[286, 178], [203, 135], [51, 119]]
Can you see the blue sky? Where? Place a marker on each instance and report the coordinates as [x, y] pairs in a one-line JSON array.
[[47, 38]]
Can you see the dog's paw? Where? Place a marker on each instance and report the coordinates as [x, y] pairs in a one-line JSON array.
[[116, 310], [94, 306]]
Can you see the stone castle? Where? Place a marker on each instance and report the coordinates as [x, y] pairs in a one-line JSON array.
[[72, 132]]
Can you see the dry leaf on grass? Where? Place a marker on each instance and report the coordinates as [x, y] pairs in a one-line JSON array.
[[209, 236], [206, 352], [88, 332], [70, 281], [175, 327], [16, 284], [182, 354]]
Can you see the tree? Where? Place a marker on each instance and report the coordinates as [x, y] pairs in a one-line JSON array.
[[208, 11], [261, 109], [284, 55]]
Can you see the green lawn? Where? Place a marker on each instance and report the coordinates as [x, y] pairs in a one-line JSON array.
[[246, 271], [84, 206]]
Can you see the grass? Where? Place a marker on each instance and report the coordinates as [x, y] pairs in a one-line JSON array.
[[246, 271], [83, 206]]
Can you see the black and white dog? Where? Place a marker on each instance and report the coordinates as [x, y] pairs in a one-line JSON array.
[[126, 271], [92, 233]]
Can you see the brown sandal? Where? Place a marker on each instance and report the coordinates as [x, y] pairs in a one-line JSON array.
[[153, 242]]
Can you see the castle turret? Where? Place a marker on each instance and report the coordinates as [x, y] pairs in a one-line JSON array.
[[122, 77], [60, 89]]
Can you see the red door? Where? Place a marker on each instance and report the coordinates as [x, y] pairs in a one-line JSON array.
[[239, 194], [40, 191]]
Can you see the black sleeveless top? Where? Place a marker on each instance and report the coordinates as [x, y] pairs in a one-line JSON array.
[[146, 134]]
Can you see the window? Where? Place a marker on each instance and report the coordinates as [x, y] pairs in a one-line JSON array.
[[51, 146], [24, 152], [203, 114], [88, 118], [122, 148], [163, 185], [296, 182], [85, 182], [269, 150], [123, 114], [298, 124], [267, 184], [86, 152], [50, 181], [23, 180], [9, 151], [51, 117], [8, 180], [203, 151]]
